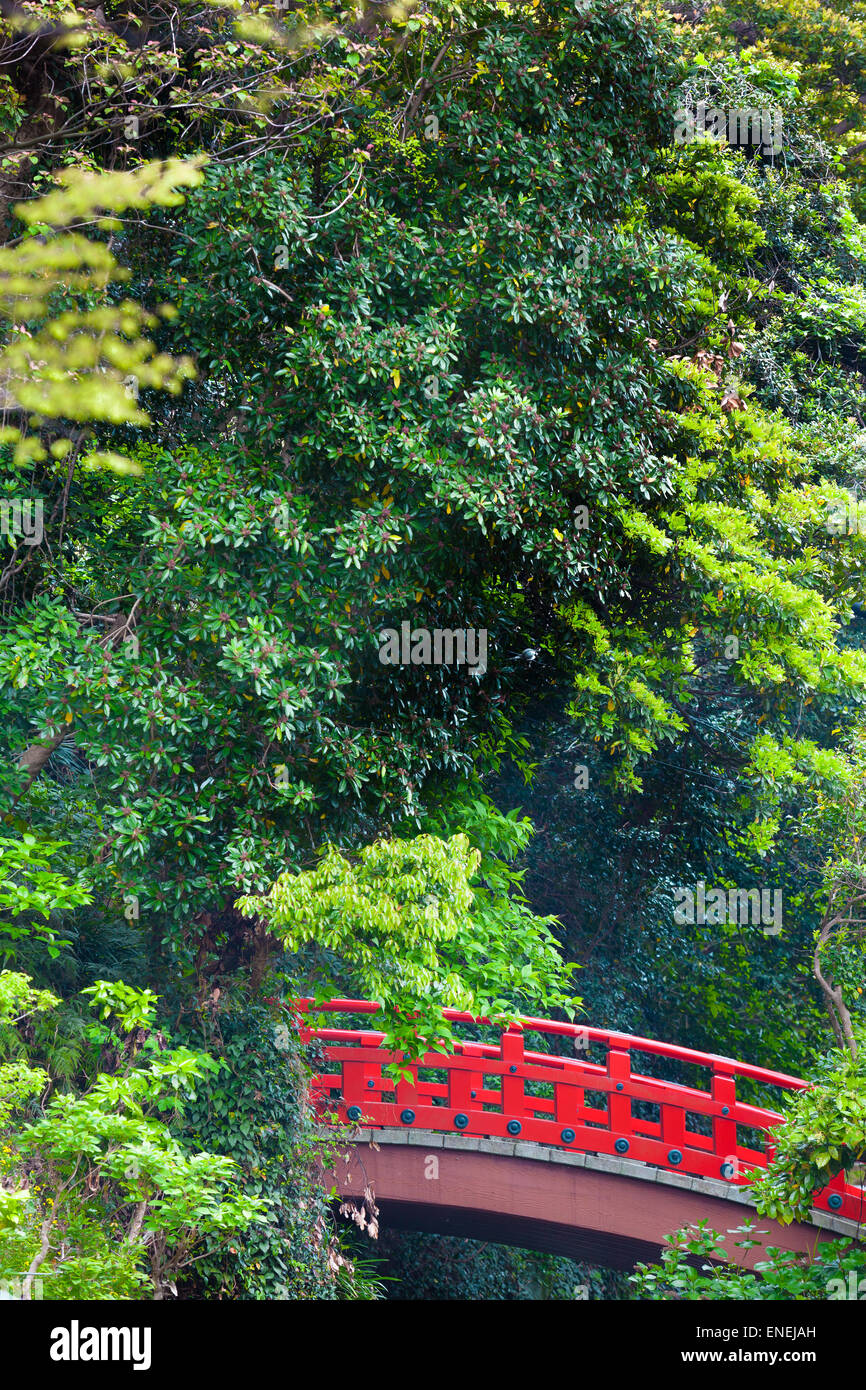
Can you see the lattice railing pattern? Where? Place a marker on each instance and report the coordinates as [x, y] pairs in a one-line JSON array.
[[498, 1089]]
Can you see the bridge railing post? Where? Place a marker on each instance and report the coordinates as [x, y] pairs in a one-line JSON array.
[[673, 1127], [460, 1086], [301, 1011], [725, 1124], [569, 1102], [362, 1081], [406, 1090], [513, 1093], [619, 1100]]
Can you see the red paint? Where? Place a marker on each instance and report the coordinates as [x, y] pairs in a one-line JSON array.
[[355, 1077]]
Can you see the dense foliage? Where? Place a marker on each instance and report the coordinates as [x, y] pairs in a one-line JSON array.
[[695, 1267]]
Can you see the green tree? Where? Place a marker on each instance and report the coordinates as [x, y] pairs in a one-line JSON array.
[[99, 1200], [405, 922], [695, 1267]]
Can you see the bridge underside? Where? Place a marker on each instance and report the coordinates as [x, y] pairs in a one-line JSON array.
[[608, 1211]]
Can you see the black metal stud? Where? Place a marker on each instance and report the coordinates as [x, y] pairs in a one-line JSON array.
[[514, 1126], [834, 1201], [619, 1085], [371, 1085], [513, 1067], [407, 1116], [674, 1156], [473, 1095], [726, 1110], [568, 1136], [354, 1112], [621, 1146], [728, 1170], [461, 1121]]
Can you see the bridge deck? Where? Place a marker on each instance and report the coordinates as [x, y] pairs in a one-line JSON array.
[[650, 1134], [609, 1211]]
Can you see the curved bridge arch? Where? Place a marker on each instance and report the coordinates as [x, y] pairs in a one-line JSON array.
[[598, 1159]]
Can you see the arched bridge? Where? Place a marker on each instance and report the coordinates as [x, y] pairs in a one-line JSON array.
[[585, 1146]]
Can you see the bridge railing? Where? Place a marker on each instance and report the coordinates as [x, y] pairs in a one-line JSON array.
[[498, 1089]]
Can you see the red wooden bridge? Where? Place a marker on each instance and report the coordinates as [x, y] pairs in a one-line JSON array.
[[576, 1147]]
